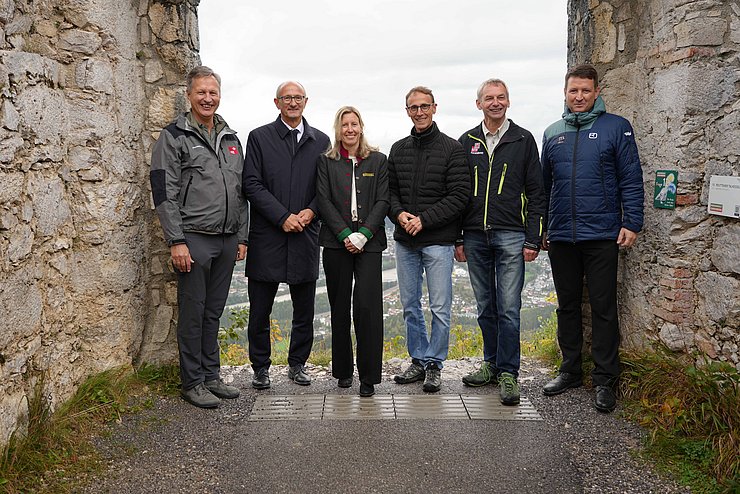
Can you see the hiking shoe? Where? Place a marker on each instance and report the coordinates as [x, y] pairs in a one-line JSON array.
[[221, 389], [433, 379], [200, 397], [509, 389], [414, 373], [487, 374]]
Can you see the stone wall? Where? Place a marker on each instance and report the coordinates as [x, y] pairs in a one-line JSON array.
[[85, 85], [672, 67]]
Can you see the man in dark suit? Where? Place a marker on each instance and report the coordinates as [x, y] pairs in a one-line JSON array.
[[280, 181]]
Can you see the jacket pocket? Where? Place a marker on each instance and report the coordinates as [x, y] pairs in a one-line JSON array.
[[187, 189]]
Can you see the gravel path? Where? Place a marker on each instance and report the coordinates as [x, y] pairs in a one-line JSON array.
[[175, 447]]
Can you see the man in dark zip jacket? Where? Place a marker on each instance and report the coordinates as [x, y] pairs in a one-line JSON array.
[[429, 185], [593, 180], [502, 228], [196, 179]]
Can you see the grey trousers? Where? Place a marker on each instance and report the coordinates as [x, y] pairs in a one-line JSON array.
[[201, 296]]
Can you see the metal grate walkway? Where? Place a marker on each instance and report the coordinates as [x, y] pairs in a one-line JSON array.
[[384, 407]]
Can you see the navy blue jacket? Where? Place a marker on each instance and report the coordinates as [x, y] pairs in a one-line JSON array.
[[278, 184], [593, 177]]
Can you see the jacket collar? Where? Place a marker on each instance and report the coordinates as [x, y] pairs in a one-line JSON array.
[[511, 135], [425, 137], [283, 130], [344, 154], [585, 117]]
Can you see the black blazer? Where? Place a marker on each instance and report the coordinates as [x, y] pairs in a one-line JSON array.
[[333, 195]]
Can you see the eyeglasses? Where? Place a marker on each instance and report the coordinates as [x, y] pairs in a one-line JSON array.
[[424, 108], [286, 99]]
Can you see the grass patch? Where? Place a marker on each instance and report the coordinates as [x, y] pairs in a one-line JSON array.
[[54, 453], [692, 414]]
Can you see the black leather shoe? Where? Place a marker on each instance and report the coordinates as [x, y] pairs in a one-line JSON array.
[[366, 389], [606, 400], [562, 383], [297, 374], [345, 382], [261, 379]]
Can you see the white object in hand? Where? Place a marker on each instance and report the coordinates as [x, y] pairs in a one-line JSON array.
[[358, 239]]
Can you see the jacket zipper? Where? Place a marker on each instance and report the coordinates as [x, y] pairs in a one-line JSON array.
[[488, 181], [503, 177], [523, 197], [475, 190], [573, 183], [226, 190]]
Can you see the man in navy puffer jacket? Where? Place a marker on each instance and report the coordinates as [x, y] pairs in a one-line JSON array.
[[593, 182]]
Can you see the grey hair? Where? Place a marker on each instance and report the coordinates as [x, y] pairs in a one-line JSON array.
[[492, 82], [201, 71], [419, 89], [283, 84]]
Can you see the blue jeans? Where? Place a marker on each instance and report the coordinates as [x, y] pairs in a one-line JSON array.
[[496, 269], [411, 264]]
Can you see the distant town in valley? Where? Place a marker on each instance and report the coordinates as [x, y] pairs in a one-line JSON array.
[[536, 300]]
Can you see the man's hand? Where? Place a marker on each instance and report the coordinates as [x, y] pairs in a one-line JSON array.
[[241, 252], [529, 254], [306, 216], [404, 218], [181, 257], [414, 226], [293, 224], [626, 238], [545, 243], [460, 254]]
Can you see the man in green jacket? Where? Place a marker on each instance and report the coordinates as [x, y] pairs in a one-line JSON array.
[[196, 179]]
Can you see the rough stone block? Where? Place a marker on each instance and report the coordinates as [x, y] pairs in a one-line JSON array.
[[605, 33], [80, 41], [153, 71], [49, 203], [12, 186], [21, 242], [687, 199], [20, 306], [721, 296], [43, 113], [23, 65], [724, 252], [46, 27], [162, 108], [166, 23], [675, 338], [95, 74], [9, 145], [7, 9], [700, 31], [19, 25], [160, 324]]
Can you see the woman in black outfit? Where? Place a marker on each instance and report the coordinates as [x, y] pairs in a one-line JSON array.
[[353, 199]]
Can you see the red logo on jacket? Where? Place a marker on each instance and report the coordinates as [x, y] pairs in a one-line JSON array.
[[233, 150]]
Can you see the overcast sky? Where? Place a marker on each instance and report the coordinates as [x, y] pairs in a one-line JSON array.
[[369, 54]]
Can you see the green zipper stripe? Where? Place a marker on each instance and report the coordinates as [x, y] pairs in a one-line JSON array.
[[475, 191], [503, 177], [488, 183]]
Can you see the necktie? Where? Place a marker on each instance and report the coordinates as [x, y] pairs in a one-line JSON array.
[[294, 141]]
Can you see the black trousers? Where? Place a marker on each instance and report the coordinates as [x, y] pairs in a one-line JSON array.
[[201, 296], [341, 267], [598, 261], [261, 298]]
